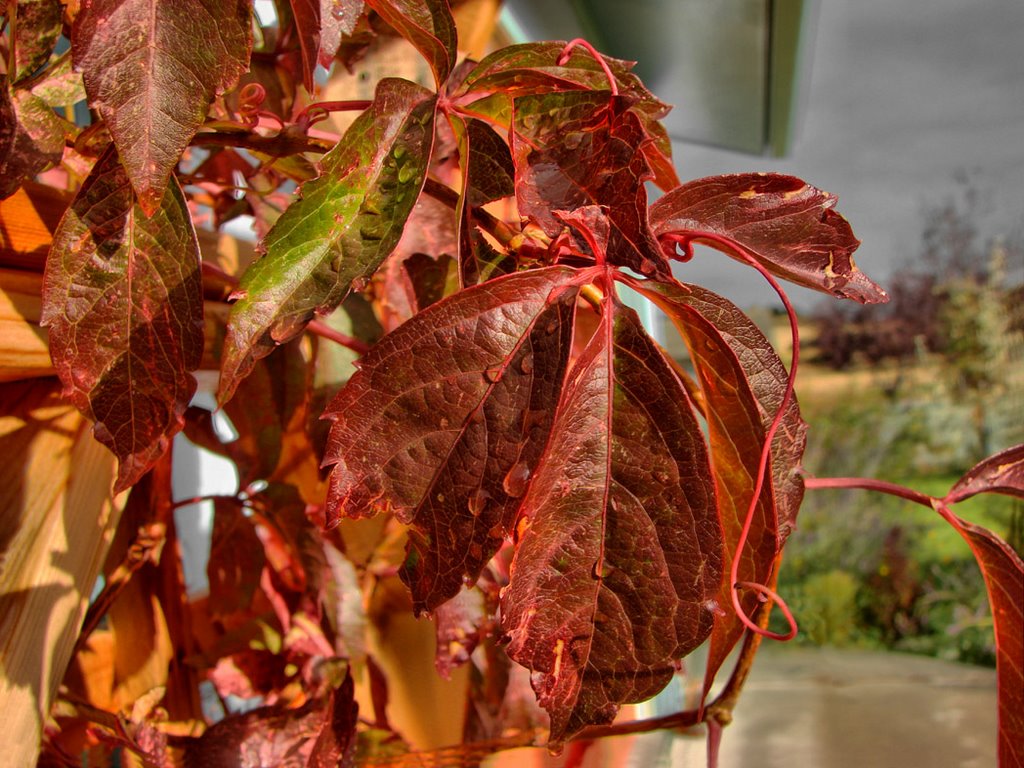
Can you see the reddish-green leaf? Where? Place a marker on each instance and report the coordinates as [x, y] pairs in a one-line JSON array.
[[580, 148], [615, 573], [532, 68], [446, 420], [1003, 570], [741, 383], [122, 295], [1002, 473], [35, 27], [38, 138], [151, 69], [789, 227], [348, 220], [428, 25]]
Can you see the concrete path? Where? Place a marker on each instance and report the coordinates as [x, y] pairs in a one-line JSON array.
[[831, 708]]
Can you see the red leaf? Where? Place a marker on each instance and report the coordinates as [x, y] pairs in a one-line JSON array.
[[428, 25], [766, 375], [620, 555], [742, 382], [533, 68], [445, 422], [122, 295], [786, 225], [321, 25], [581, 148], [307, 26], [151, 71], [458, 629], [1002, 473], [236, 559], [349, 219], [335, 747], [267, 400], [488, 164], [1003, 570]]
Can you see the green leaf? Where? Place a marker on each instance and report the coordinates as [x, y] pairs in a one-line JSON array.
[[620, 557], [151, 69], [428, 25], [348, 220], [787, 226], [122, 296]]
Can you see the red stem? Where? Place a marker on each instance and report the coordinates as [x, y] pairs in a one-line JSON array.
[[867, 484], [319, 110], [315, 327], [325, 331], [766, 448], [563, 57], [200, 499]]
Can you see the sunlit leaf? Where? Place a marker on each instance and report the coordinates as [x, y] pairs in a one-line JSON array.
[[151, 69], [122, 297], [348, 220], [581, 148], [446, 420], [428, 25], [619, 556], [788, 226]]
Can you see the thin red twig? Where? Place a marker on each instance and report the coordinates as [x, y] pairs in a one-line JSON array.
[[764, 463], [318, 328], [563, 57], [867, 484]]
